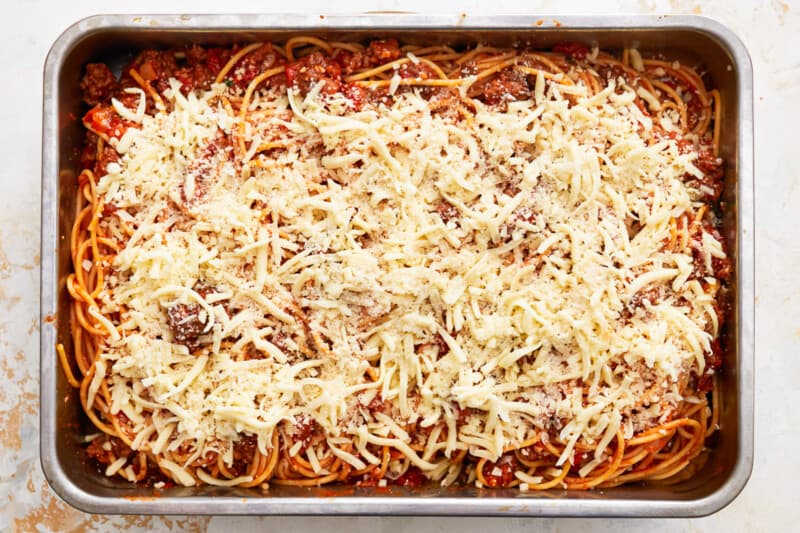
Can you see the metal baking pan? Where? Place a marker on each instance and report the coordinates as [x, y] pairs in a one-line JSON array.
[[115, 38]]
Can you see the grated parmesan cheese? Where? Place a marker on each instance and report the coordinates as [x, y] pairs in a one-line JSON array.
[[509, 238]]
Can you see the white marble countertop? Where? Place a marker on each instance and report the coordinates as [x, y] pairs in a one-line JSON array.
[[769, 28]]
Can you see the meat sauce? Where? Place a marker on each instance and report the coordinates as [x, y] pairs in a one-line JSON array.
[[412, 478], [376, 53], [501, 473], [510, 85], [721, 267], [378, 405], [303, 431], [572, 49], [312, 69], [98, 84], [243, 452], [105, 450], [185, 324], [253, 64], [713, 359]]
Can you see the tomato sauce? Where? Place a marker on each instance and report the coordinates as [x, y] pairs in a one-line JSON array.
[[572, 49], [412, 478], [501, 473]]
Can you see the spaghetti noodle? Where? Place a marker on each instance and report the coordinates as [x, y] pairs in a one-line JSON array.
[[330, 262]]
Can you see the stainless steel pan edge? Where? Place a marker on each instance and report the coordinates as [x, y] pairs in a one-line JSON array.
[[470, 502]]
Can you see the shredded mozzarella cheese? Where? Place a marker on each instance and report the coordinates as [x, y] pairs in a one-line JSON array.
[[493, 264]]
